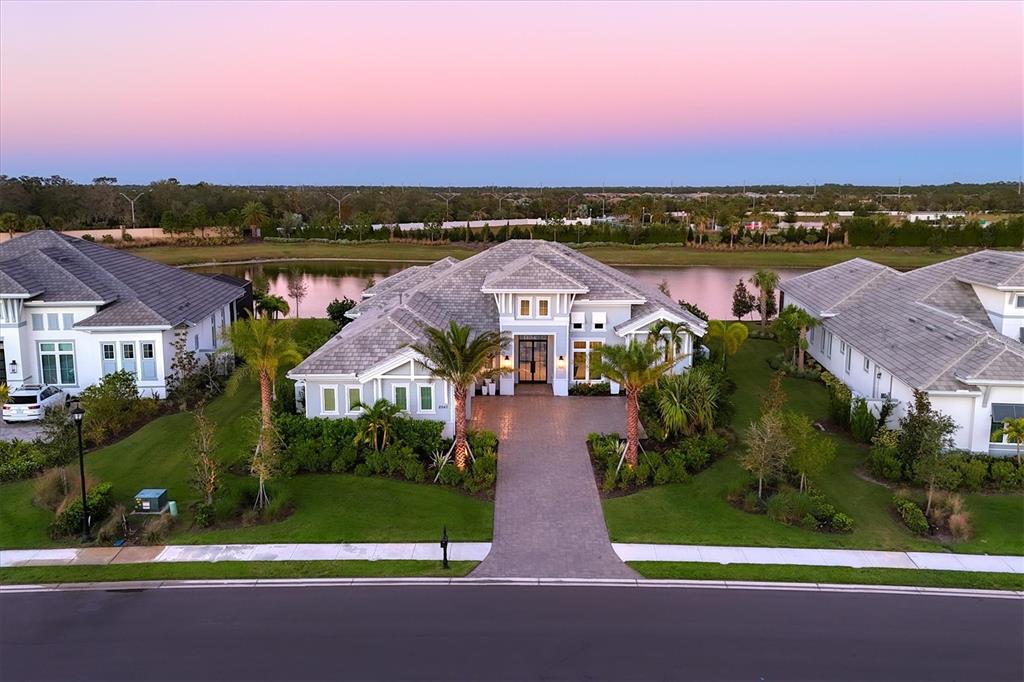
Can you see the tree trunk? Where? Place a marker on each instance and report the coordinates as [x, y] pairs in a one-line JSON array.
[[800, 348], [803, 481], [461, 447], [632, 426], [931, 490], [760, 486], [266, 399], [764, 310]]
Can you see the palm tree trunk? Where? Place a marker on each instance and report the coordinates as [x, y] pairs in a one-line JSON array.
[[764, 310], [266, 400], [461, 447], [632, 426], [800, 348]]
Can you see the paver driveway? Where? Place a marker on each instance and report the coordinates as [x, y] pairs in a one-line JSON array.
[[547, 517]]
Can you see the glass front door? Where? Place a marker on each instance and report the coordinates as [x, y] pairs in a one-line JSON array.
[[533, 361]]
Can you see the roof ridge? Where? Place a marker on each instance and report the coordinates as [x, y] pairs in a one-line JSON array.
[[977, 341], [88, 288], [861, 286], [595, 266]]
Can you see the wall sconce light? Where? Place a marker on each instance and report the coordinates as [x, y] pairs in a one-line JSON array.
[[561, 362], [14, 367], [506, 360]]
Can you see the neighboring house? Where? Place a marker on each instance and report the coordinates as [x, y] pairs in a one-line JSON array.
[[953, 329], [72, 311], [559, 307]]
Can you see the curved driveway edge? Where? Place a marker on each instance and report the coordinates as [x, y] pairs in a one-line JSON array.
[[548, 521]]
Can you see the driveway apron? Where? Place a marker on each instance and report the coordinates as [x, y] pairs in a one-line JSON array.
[[547, 518]]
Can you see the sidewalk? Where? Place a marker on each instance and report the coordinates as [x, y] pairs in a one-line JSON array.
[[477, 551], [853, 558], [392, 551]]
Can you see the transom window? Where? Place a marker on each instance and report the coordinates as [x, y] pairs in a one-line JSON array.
[[57, 361], [585, 359]]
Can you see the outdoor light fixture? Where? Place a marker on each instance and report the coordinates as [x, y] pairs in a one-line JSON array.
[[77, 413], [561, 362], [14, 366], [506, 361]]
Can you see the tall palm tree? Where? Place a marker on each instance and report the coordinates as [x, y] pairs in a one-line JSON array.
[[254, 214], [671, 336], [765, 281], [734, 229], [725, 339], [460, 358], [688, 402], [1014, 432], [766, 223], [804, 322], [702, 227], [830, 224], [265, 347], [634, 366]]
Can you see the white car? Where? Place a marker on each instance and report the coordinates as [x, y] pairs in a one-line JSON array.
[[31, 401]]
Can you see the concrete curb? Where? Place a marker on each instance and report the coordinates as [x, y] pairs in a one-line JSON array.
[[137, 585]]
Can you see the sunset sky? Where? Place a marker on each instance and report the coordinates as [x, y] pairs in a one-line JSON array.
[[513, 94]]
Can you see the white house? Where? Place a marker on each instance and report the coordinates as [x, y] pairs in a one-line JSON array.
[[72, 311], [953, 329], [558, 306]]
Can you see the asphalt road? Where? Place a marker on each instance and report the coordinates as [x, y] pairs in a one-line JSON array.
[[506, 632]]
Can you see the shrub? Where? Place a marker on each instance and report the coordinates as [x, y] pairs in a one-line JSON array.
[[203, 514], [601, 388], [54, 486], [155, 531], [114, 528], [69, 518], [482, 442], [883, 463], [482, 474], [973, 473], [841, 523], [450, 475], [107, 239], [911, 514], [1002, 474], [88, 238], [113, 406], [20, 459], [862, 423], [839, 399], [752, 503], [791, 507]]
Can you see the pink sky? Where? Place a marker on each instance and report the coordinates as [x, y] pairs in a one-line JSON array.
[[106, 78]]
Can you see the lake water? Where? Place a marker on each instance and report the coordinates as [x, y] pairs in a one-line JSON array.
[[710, 288]]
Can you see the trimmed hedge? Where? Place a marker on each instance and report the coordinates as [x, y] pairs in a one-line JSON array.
[[911, 515], [69, 519]]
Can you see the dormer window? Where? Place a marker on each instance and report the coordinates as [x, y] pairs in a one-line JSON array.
[[524, 307], [543, 307]]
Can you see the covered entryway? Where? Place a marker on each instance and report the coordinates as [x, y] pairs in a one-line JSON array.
[[532, 354], [548, 521]]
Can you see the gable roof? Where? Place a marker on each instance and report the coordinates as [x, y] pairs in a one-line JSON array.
[[130, 291], [927, 326], [394, 312]]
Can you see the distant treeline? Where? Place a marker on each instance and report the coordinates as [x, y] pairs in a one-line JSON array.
[[32, 202], [881, 232]]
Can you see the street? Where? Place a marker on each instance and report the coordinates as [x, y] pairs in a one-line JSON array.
[[476, 632]]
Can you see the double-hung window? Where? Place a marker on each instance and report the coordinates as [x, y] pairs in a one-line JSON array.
[[53, 321], [849, 358], [329, 399], [37, 322], [400, 396], [525, 308], [828, 345], [69, 321], [867, 364], [354, 394], [543, 307], [57, 362], [128, 357]]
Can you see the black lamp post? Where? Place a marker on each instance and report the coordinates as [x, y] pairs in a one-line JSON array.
[[77, 415], [444, 547]]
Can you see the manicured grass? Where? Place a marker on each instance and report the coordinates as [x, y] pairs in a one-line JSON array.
[[386, 251], [233, 569], [327, 507], [697, 512], [898, 257], [829, 574]]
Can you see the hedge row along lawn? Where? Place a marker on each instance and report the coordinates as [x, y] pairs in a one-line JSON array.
[[223, 570], [625, 254], [696, 512], [829, 574], [327, 507]]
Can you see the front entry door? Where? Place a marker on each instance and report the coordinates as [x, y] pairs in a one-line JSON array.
[[533, 361]]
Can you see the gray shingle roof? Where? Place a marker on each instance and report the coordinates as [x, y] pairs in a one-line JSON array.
[[131, 290], [399, 307], [925, 326]]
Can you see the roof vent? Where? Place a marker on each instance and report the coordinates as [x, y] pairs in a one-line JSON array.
[[951, 337], [930, 327], [912, 319]]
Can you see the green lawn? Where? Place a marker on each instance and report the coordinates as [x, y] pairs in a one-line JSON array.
[[697, 512], [328, 507], [828, 574], [233, 569], [898, 257]]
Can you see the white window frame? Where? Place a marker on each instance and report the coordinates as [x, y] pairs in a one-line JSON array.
[[141, 359], [349, 409], [842, 347], [578, 318], [38, 322], [68, 319], [587, 351], [57, 352], [113, 348], [135, 357], [394, 395], [828, 349], [849, 358], [598, 321], [529, 308], [419, 398], [867, 364], [1020, 301], [323, 403], [546, 300]]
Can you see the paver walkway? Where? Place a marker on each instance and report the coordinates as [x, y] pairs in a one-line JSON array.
[[547, 516]]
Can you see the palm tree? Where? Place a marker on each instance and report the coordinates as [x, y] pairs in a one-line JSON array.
[[264, 347], [671, 335], [461, 359], [271, 306], [254, 214], [765, 281], [1014, 432], [634, 366], [830, 224], [734, 229], [766, 223], [5, 393], [725, 339], [377, 420], [687, 402], [804, 322], [702, 227]]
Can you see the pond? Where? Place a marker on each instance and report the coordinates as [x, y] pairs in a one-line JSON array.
[[709, 288]]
